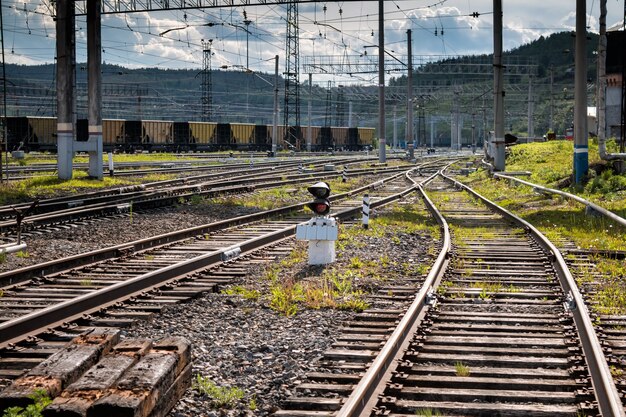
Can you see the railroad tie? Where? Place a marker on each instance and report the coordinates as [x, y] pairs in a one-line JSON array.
[[61, 369], [135, 377]]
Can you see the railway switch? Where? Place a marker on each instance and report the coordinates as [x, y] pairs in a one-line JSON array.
[[321, 231]]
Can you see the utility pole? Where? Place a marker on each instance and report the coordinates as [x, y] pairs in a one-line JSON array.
[[207, 81], [531, 126], [4, 144], [498, 89], [581, 149], [309, 133], [454, 123], [247, 22], [94, 87], [485, 134], [382, 156], [65, 29], [275, 124], [395, 127], [409, 96], [341, 107], [292, 75], [551, 122], [473, 133]]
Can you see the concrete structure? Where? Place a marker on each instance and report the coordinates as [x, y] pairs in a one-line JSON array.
[[613, 105]]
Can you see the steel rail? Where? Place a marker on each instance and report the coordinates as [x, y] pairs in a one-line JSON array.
[[61, 202], [33, 271], [605, 391], [589, 204], [158, 198], [358, 401], [38, 321]]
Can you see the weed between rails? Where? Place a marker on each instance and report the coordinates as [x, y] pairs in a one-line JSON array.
[[294, 285], [40, 401], [221, 397]]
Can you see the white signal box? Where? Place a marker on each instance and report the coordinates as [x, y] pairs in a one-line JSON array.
[[321, 232], [318, 228]]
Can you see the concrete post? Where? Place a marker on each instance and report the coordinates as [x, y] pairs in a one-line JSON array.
[[94, 87], [382, 156], [309, 133], [350, 111], [366, 211], [65, 87], [275, 122], [395, 128], [531, 125], [581, 149], [409, 95], [498, 88]]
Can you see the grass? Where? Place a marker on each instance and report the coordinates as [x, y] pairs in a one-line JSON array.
[[461, 369], [562, 219], [49, 186], [427, 412], [294, 286], [284, 297], [221, 397], [247, 294], [40, 401]]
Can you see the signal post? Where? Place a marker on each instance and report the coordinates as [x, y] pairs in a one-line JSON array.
[[321, 231]]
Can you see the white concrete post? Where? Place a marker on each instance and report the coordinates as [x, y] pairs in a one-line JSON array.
[[110, 155], [366, 211]]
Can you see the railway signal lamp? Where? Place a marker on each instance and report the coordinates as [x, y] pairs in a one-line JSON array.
[[321, 231], [320, 206]]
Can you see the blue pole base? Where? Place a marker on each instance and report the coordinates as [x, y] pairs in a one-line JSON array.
[[581, 163]]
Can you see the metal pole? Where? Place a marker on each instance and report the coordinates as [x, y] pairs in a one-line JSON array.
[[531, 127], [409, 95], [473, 133], [309, 132], [94, 86], [581, 150], [247, 23], [382, 157], [485, 133], [5, 139], [498, 88], [65, 87], [432, 132], [275, 127], [350, 123], [395, 128], [551, 123]]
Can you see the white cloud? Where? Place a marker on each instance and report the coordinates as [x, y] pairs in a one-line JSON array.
[[132, 39]]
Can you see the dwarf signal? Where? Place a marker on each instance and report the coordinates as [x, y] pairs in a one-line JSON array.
[[321, 205], [321, 231]]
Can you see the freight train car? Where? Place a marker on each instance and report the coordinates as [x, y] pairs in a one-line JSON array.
[[40, 134]]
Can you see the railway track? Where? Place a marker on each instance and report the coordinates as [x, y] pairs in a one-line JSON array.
[[496, 328], [43, 307], [155, 195], [224, 162], [610, 323]]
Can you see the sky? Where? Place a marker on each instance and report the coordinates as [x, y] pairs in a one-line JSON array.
[[346, 30]]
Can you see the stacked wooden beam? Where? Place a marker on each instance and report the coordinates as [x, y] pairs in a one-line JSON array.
[[95, 376]]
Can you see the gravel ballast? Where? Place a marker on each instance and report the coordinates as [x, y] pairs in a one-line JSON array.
[[244, 344]]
